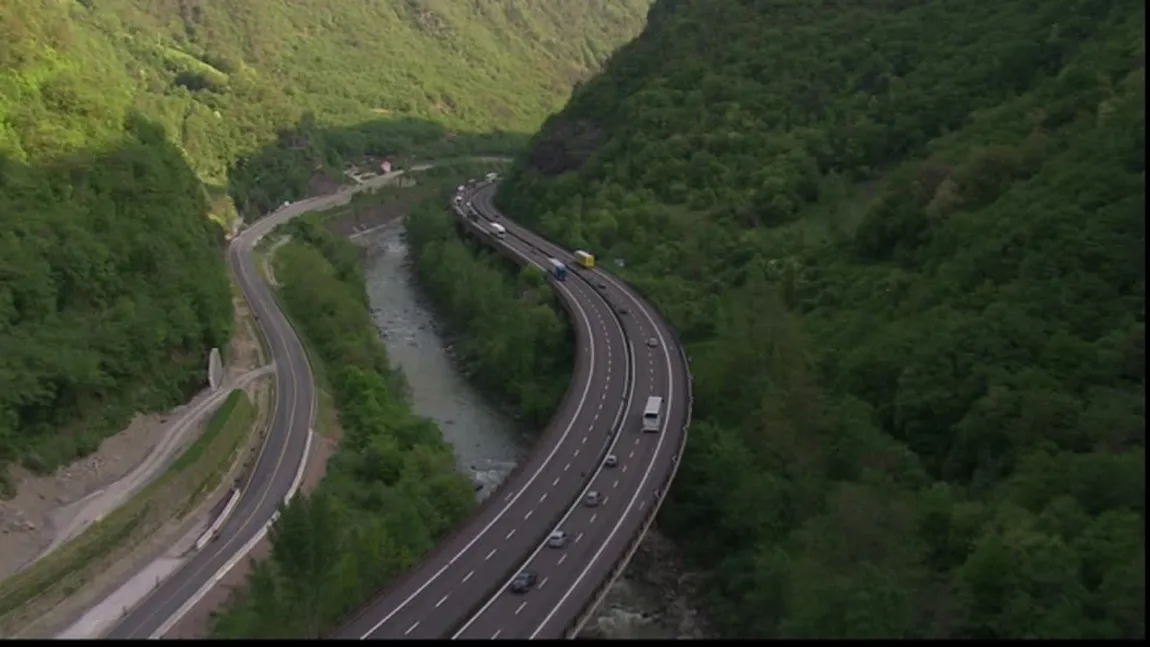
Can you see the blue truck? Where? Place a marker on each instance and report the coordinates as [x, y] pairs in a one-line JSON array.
[[558, 269]]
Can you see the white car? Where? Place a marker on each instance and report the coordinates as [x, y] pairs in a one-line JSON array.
[[557, 539]]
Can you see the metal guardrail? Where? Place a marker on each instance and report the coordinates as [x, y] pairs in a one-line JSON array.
[[588, 609]]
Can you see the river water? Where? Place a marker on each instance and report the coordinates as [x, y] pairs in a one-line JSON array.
[[487, 441]]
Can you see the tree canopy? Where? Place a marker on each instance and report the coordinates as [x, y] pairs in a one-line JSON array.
[[904, 244]]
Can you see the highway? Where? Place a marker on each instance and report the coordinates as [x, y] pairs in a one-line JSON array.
[[279, 459], [624, 353]]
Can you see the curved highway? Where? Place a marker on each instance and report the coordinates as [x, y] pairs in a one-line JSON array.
[[278, 462], [624, 353]]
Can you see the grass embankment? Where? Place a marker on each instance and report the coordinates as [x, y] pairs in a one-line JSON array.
[[194, 474]]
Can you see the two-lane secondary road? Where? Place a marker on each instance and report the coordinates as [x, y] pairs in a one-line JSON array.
[[458, 575], [278, 461], [571, 576]]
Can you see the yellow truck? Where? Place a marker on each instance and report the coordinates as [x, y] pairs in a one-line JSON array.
[[585, 259]]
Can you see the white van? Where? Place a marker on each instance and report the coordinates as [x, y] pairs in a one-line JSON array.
[[653, 414]]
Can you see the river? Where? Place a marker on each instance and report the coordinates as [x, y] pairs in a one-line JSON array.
[[487, 442]]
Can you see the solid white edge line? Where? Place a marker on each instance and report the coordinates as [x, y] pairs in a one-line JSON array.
[[527, 486], [240, 554]]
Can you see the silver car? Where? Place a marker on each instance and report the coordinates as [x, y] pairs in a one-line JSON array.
[[593, 499], [558, 539]]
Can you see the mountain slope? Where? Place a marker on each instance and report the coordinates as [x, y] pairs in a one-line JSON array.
[[124, 123], [904, 242], [223, 75]]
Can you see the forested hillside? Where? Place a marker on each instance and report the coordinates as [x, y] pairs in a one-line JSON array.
[[904, 242], [227, 78], [125, 123]]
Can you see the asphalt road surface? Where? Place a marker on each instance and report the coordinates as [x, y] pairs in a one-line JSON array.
[[624, 353], [279, 458]]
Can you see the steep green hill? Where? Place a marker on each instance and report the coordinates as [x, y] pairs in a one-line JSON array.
[[124, 123], [904, 242], [224, 76]]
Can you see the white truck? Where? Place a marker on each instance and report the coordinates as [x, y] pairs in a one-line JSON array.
[[498, 230]]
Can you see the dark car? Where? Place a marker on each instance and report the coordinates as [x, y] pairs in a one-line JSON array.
[[524, 582], [593, 499]]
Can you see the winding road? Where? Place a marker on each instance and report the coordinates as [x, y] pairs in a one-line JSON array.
[[624, 353]]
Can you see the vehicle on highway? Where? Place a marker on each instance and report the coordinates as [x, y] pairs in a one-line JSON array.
[[593, 499], [458, 199], [491, 177], [558, 269], [460, 189], [585, 259], [653, 414], [652, 342], [601, 285], [557, 539], [524, 582], [623, 310], [498, 230], [611, 460]]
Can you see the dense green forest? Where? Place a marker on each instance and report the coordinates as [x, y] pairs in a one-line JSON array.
[[124, 124], [112, 292], [904, 243], [390, 492]]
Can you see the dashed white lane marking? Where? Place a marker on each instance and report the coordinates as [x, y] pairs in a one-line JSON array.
[[496, 634], [625, 467], [567, 467], [528, 515], [578, 537], [543, 497], [543, 584], [642, 504], [510, 534], [632, 454], [562, 558], [637, 440], [584, 440], [490, 554], [553, 484], [468, 576], [520, 609], [576, 452], [594, 517], [442, 600], [411, 629], [616, 483]]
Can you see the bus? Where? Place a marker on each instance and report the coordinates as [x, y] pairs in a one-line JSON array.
[[558, 269], [585, 259], [653, 414], [499, 230]]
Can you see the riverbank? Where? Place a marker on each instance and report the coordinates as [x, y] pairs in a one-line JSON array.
[[655, 597]]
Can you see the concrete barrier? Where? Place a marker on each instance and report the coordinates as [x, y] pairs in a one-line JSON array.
[[212, 529]]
